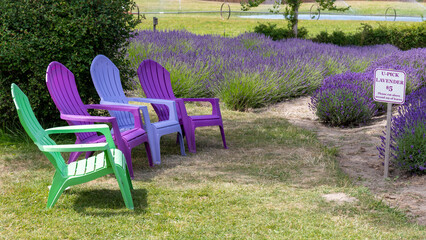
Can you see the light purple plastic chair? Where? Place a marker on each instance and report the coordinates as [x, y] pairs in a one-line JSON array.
[[106, 78], [155, 81], [63, 90]]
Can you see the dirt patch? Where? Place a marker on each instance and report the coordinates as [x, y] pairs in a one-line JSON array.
[[359, 158], [339, 198]]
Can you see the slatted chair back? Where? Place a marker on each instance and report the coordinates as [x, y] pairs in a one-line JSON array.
[[63, 90], [106, 78], [33, 127], [155, 82]]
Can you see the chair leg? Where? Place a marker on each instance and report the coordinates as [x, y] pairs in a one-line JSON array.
[[74, 156], [128, 155], [183, 134], [128, 179], [182, 145], [124, 185], [154, 145], [58, 186], [148, 154], [190, 136], [89, 154], [222, 132]]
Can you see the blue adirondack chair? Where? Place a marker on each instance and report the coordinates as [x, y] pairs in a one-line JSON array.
[[106, 78], [110, 160]]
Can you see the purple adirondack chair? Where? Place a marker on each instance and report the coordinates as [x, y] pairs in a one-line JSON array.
[[63, 90], [155, 81]]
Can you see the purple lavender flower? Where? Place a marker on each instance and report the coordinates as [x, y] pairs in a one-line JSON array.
[[279, 69], [409, 129]]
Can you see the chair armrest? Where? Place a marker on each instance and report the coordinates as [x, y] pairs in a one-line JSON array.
[[112, 120], [213, 101], [78, 128], [74, 147], [101, 128], [169, 103], [136, 114], [119, 107], [113, 107], [80, 118]]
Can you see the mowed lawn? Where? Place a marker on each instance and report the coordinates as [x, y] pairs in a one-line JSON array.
[[267, 185]]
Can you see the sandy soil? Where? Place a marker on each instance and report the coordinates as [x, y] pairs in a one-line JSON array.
[[359, 158]]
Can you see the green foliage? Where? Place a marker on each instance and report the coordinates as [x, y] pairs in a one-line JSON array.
[[405, 38], [291, 11], [243, 91], [187, 84], [276, 33], [34, 33]]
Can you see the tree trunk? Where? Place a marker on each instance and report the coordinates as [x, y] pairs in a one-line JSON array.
[[296, 20]]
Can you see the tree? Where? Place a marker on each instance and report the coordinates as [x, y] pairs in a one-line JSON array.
[[291, 11]]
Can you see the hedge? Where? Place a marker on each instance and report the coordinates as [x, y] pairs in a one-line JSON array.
[[34, 33]]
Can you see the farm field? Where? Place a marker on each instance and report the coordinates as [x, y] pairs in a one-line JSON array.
[[284, 165], [412, 8], [210, 22]]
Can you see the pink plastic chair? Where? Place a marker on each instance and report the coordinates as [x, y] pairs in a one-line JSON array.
[[63, 90], [155, 81]]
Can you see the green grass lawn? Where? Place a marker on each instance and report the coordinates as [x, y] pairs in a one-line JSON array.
[[267, 185]]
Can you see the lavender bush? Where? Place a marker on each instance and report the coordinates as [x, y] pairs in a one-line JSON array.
[[247, 71], [412, 62], [344, 100], [408, 142]]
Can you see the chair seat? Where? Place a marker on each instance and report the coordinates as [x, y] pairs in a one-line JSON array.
[[163, 124], [132, 137], [95, 164], [204, 117]]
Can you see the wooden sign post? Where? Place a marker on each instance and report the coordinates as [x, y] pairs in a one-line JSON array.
[[389, 87]]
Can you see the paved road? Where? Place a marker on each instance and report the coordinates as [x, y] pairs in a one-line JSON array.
[[340, 17]]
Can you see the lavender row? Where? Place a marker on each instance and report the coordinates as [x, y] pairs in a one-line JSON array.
[[250, 70]]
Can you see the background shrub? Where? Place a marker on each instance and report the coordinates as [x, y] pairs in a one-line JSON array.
[[408, 142], [276, 33], [34, 33], [411, 36]]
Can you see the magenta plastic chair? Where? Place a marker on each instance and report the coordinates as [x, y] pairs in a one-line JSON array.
[[106, 78], [155, 81], [63, 90]]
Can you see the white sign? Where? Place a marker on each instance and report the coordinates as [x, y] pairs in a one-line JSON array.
[[389, 86]]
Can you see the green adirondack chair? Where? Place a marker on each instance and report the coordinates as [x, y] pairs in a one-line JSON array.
[[110, 160]]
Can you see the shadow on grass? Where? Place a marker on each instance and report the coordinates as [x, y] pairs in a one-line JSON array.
[[108, 203]]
